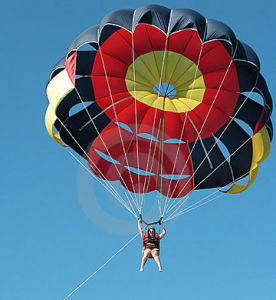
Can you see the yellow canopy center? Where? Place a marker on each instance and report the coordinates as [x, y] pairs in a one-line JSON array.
[[166, 80]]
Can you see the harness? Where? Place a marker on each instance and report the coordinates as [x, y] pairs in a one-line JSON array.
[[146, 239]]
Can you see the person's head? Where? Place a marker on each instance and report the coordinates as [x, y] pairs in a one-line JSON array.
[[151, 231]]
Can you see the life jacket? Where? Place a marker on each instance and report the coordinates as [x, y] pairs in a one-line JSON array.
[[146, 239]]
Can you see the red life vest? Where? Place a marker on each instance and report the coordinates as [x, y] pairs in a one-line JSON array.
[[146, 239]]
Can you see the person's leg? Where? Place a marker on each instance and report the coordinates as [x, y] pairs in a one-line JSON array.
[[157, 259], [145, 257]]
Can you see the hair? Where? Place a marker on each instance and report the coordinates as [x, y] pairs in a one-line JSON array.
[[151, 228]]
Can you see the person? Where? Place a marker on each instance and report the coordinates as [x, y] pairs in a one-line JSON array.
[[151, 245]]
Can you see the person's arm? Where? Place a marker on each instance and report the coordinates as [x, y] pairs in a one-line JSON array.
[[140, 228], [163, 232]]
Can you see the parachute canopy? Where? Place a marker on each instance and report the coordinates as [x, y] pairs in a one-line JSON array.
[[162, 100]]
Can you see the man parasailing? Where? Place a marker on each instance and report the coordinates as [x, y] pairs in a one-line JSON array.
[[151, 244]]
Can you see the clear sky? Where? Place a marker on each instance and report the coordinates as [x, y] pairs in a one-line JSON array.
[[51, 241]]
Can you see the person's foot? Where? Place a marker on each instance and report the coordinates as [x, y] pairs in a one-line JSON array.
[[141, 270], [160, 270]]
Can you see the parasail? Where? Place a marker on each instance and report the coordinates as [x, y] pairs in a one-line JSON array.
[[162, 100]]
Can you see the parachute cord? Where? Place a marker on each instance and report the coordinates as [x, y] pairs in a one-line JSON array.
[[135, 109], [232, 119], [106, 148], [92, 121], [182, 132], [172, 207], [162, 162], [116, 117], [161, 155], [112, 192], [107, 184], [199, 132], [148, 181], [197, 204], [202, 128], [101, 266], [100, 113], [156, 107], [192, 207], [179, 204], [167, 200]]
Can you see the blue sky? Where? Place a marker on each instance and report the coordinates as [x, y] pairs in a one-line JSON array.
[[50, 240]]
